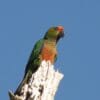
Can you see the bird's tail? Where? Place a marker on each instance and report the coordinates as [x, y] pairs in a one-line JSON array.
[[23, 82]]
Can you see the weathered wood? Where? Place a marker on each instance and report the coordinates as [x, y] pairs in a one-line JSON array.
[[42, 85]]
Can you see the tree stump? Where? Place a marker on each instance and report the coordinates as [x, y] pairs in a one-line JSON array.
[[42, 85]]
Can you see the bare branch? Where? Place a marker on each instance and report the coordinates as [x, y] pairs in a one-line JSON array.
[[42, 85]]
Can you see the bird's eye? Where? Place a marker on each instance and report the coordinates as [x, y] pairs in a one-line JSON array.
[[55, 28]]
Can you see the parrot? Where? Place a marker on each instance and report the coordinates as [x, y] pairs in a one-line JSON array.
[[44, 49]]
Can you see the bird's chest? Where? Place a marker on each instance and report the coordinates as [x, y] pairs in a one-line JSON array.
[[48, 52]]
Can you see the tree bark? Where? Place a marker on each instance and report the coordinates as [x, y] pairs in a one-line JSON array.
[[42, 85]]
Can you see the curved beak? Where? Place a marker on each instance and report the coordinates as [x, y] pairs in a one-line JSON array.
[[62, 34], [61, 31]]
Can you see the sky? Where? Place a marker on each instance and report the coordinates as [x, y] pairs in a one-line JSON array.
[[23, 22]]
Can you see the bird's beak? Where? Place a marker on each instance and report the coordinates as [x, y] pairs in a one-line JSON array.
[[62, 34], [60, 29]]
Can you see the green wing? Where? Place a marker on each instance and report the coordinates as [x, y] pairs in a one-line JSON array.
[[32, 65], [34, 60]]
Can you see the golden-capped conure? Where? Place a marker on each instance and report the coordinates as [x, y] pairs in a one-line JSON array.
[[44, 49]]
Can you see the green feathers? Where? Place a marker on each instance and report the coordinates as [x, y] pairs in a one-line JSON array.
[[34, 60], [44, 49]]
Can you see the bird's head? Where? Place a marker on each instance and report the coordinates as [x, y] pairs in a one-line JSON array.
[[54, 33]]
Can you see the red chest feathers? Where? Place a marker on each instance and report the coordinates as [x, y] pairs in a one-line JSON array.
[[48, 53]]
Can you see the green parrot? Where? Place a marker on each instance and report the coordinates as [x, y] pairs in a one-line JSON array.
[[44, 49]]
